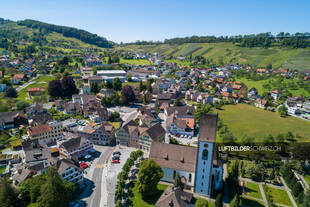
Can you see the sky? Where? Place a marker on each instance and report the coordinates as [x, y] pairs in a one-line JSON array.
[[131, 20]]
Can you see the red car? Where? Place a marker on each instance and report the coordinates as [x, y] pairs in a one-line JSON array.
[[115, 161], [83, 165]]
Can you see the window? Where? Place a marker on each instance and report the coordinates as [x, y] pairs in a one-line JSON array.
[[203, 177], [205, 154], [202, 183], [190, 177], [205, 145], [174, 174]]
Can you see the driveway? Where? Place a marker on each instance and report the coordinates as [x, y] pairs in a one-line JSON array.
[[31, 81]]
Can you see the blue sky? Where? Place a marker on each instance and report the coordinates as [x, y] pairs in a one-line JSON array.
[[131, 20]]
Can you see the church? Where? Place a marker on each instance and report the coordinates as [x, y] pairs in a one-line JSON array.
[[199, 168]]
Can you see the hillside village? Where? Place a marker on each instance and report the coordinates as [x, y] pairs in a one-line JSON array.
[[106, 120]]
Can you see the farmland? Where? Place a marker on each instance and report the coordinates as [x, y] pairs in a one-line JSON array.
[[246, 120]]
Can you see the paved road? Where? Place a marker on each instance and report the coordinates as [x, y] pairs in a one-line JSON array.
[[96, 175]]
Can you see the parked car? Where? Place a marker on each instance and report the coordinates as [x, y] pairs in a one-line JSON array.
[[83, 165], [178, 135], [115, 157], [115, 161], [117, 153]]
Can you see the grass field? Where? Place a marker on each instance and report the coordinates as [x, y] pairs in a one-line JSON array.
[[136, 61], [41, 81], [253, 190], [251, 202], [137, 200], [243, 119], [2, 169], [307, 178], [116, 124], [229, 53], [279, 196]]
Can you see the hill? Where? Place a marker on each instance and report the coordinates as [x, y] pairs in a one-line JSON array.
[[31, 31], [227, 52]]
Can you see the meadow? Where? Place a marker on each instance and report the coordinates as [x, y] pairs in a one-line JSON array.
[[246, 120]]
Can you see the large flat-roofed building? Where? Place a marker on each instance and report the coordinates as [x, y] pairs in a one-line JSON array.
[[112, 73]]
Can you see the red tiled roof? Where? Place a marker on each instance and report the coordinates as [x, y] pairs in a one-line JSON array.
[[42, 128]]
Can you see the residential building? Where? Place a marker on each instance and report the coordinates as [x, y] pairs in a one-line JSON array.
[[147, 136], [46, 133], [69, 172], [175, 197], [275, 94], [75, 147], [12, 119]]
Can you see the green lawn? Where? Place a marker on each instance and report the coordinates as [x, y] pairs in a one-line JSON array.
[[116, 124], [135, 61], [253, 190], [41, 81], [251, 202], [138, 201], [243, 119], [278, 196], [210, 204], [307, 178], [2, 169], [131, 83]]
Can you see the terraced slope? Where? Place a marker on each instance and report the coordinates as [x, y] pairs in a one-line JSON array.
[[298, 59]]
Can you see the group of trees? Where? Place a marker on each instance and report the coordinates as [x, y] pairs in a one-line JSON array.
[[82, 35], [62, 88], [123, 176], [298, 40], [43, 190]]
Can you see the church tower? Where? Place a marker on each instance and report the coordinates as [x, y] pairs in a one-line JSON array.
[[206, 145]]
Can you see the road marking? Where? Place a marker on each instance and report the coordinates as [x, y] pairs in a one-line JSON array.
[[99, 166]]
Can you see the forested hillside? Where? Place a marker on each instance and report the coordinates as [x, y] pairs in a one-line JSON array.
[[79, 34]]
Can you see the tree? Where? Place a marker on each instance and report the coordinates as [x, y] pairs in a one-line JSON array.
[[55, 192], [236, 202], [117, 84], [129, 78], [68, 86], [177, 102], [219, 200], [55, 88], [177, 181], [21, 105], [128, 94], [8, 195], [141, 86], [114, 116], [201, 203], [149, 175], [282, 110], [10, 92], [94, 87]]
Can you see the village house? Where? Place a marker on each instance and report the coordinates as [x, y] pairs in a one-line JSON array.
[[35, 91], [102, 134], [69, 172], [275, 94], [155, 133], [175, 197], [260, 103], [12, 119], [75, 147], [17, 78], [46, 133], [192, 95]]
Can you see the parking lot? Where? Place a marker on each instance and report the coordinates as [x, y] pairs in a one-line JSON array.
[[112, 171]]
